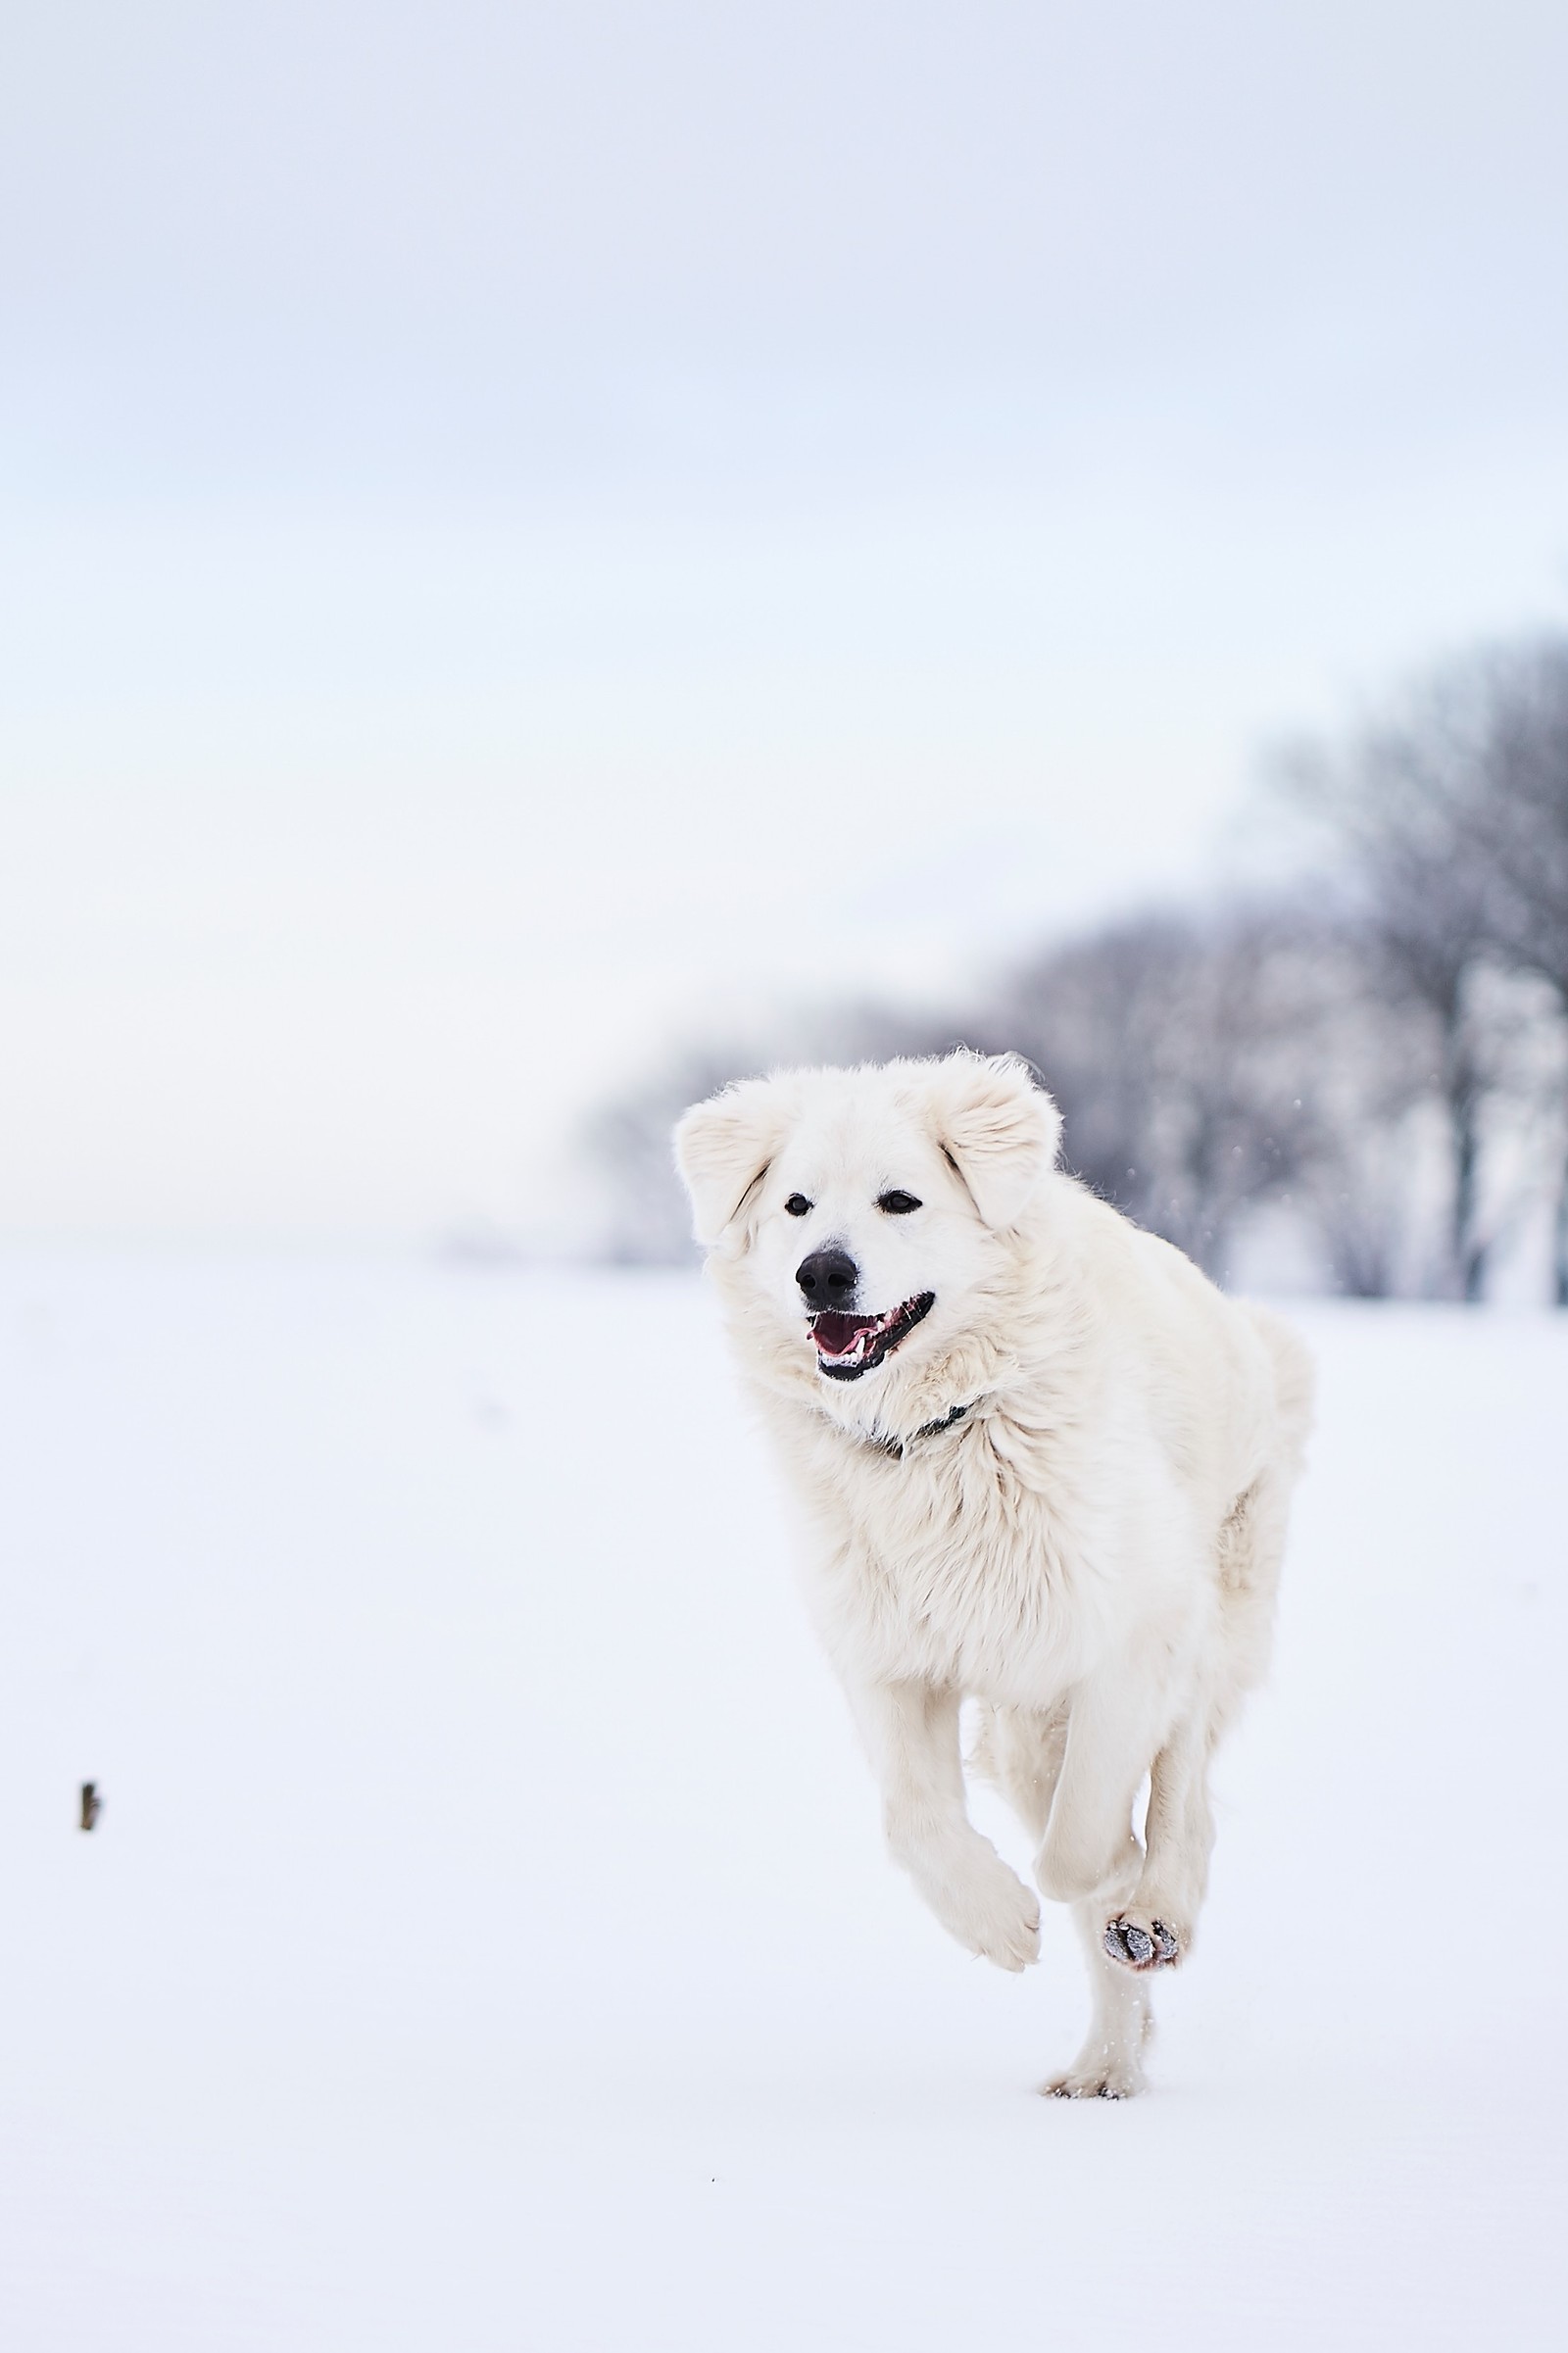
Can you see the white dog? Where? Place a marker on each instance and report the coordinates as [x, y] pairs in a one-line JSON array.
[[1041, 1461]]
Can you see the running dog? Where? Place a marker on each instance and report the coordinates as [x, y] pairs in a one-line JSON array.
[[1040, 1462]]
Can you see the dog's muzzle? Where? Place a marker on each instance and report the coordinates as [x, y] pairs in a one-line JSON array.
[[849, 1345]]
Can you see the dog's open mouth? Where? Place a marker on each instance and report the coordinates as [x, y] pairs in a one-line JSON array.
[[848, 1346]]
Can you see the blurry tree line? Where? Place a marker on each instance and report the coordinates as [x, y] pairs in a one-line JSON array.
[[1369, 1072]]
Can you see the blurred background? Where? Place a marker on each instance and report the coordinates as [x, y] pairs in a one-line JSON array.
[[553, 556]]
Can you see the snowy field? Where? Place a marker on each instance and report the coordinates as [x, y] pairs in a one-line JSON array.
[[487, 1947]]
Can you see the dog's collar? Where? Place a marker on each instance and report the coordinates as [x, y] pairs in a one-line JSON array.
[[895, 1448]]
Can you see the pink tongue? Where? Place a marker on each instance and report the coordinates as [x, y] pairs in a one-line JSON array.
[[834, 1333]]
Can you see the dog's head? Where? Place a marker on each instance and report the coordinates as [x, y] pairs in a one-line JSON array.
[[868, 1215]]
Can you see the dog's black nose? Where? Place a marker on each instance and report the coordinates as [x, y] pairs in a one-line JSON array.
[[827, 1278]]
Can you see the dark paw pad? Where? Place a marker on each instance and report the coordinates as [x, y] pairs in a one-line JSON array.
[[1134, 1947]]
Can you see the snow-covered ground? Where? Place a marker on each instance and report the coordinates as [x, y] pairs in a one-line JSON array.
[[486, 1946]]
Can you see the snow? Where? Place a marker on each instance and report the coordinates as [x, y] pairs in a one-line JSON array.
[[486, 1944]]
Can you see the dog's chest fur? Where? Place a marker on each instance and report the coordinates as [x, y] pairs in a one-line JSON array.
[[972, 1561]]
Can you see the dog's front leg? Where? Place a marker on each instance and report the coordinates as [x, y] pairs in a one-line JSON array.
[[1113, 1730], [911, 1731], [1153, 1928]]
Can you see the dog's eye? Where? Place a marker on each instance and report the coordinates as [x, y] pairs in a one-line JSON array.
[[896, 1203], [796, 1205]]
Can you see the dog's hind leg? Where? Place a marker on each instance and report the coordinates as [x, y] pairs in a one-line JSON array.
[[911, 1731], [1110, 2065]]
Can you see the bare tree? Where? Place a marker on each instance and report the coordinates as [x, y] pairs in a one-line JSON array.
[[1174, 1046], [1420, 804], [1515, 736], [1206, 1065]]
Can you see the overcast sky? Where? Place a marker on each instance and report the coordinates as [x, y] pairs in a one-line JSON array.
[[527, 527]]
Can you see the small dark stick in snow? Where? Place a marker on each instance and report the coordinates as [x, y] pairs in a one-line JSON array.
[[92, 1805]]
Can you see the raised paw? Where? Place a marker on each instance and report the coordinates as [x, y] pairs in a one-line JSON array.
[[987, 1907], [1006, 1927], [1142, 1944]]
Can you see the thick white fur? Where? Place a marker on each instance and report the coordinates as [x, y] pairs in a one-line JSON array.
[[1091, 1551]]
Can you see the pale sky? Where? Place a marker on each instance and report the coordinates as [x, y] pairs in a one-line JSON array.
[[528, 530]]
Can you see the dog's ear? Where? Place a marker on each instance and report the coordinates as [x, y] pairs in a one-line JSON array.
[[724, 1147], [998, 1130]]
